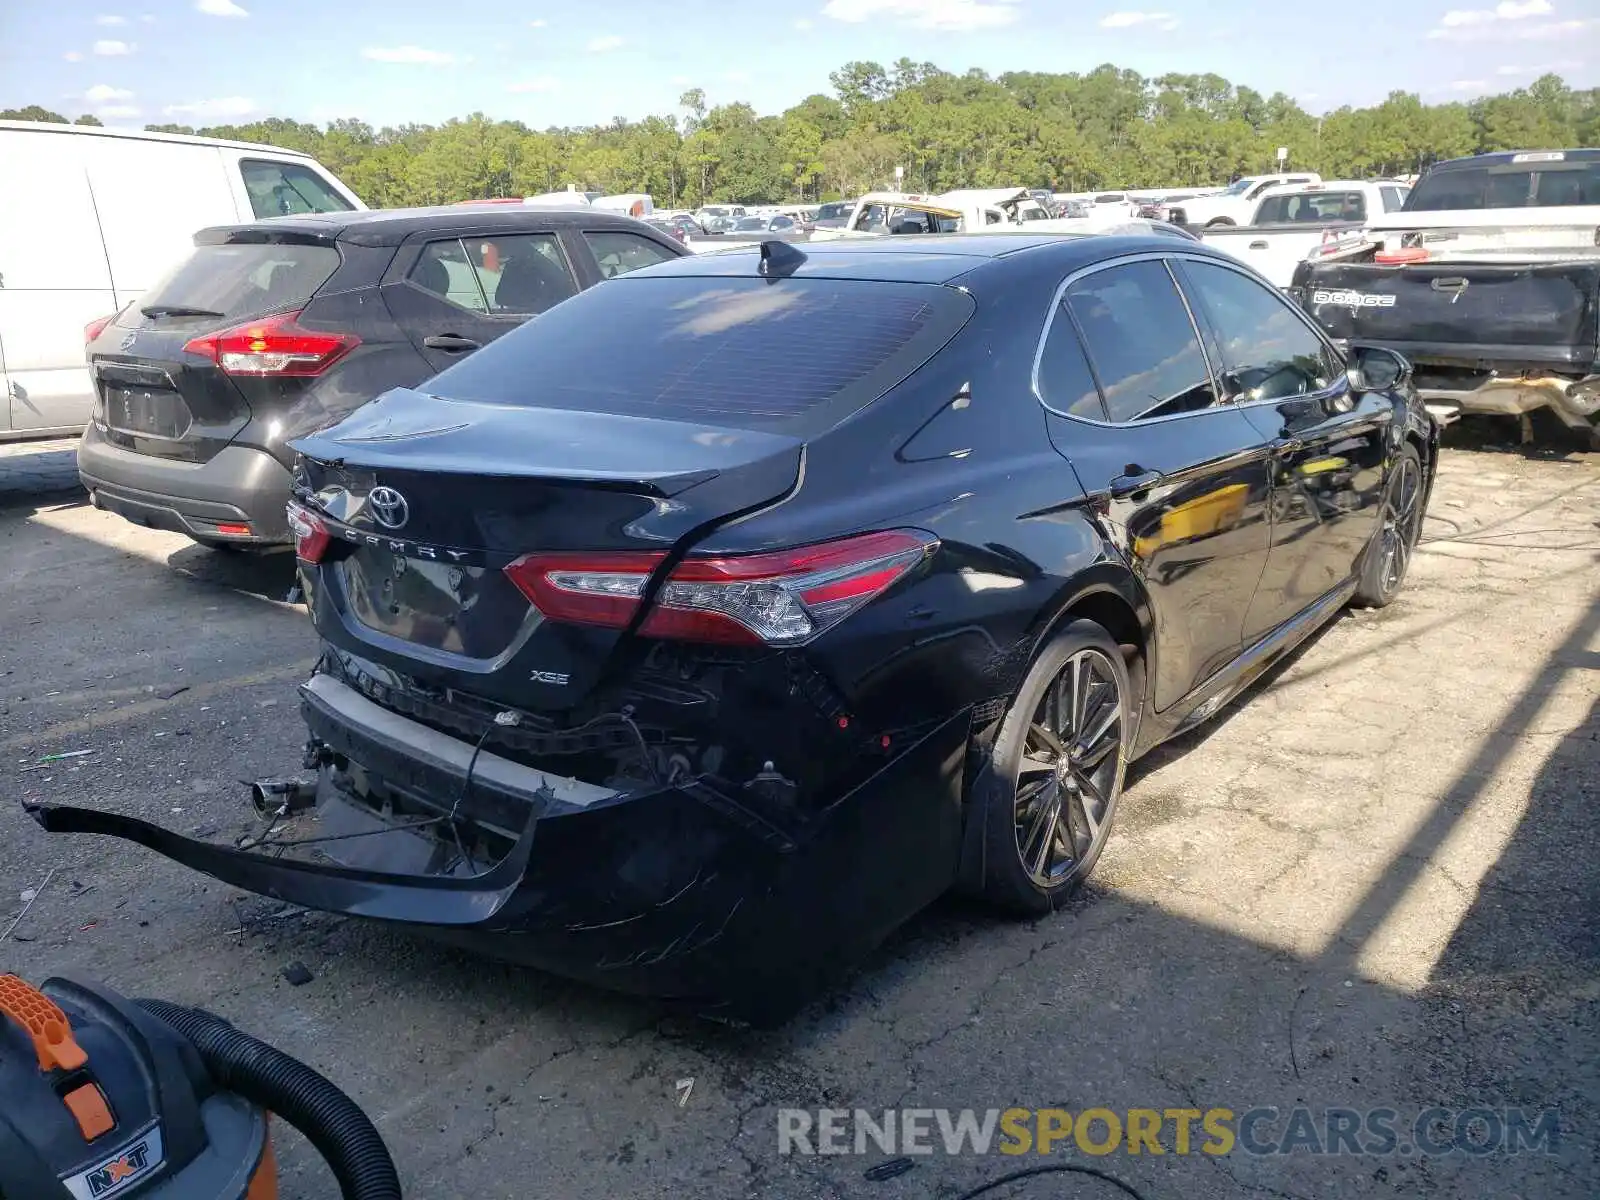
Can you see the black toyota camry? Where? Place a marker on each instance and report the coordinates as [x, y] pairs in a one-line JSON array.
[[694, 635]]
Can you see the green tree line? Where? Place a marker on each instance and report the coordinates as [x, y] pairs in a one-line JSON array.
[[1072, 132]]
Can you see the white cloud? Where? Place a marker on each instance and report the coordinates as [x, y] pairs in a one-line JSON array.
[[958, 16], [1553, 68], [1508, 20], [544, 83], [1467, 85], [118, 112], [537, 23], [600, 45], [109, 48], [1132, 20], [221, 109], [104, 93], [803, 24], [110, 19], [220, 8], [408, 54], [73, 56]]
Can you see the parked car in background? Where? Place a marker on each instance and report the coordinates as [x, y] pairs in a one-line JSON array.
[[1234, 203], [1489, 279], [90, 218], [835, 214], [1295, 222], [670, 228], [705, 659], [271, 329], [683, 222], [718, 212]]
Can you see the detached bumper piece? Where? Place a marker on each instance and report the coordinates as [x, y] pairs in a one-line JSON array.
[[695, 892]]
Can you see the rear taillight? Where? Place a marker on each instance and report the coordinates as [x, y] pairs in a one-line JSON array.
[[311, 536], [273, 346], [96, 327], [782, 598]]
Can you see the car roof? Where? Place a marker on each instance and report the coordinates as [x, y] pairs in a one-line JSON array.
[[137, 135], [925, 258], [1508, 157], [391, 226]]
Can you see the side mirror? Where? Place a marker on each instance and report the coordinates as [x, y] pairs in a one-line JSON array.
[[1376, 369]]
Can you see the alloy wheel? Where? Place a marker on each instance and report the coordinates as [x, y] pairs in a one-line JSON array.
[[1402, 515], [1071, 769]]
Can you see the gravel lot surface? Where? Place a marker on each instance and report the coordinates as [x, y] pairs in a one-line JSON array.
[[1372, 882]]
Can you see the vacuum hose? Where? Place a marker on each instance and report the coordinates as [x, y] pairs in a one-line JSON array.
[[271, 1079]]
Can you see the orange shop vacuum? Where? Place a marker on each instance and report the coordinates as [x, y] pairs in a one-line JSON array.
[[103, 1097]]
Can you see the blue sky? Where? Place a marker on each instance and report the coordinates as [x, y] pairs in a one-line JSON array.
[[393, 61]]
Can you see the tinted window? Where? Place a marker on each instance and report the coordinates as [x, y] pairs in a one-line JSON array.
[[1393, 198], [794, 355], [1141, 342], [284, 189], [240, 281], [618, 253], [783, 222], [522, 274], [1512, 185], [514, 276], [1312, 206], [1267, 350], [1065, 382], [443, 270]]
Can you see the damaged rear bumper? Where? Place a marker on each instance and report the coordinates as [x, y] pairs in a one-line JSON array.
[[695, 891]]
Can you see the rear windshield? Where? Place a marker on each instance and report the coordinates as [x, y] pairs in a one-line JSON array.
[[1511, 185], [1312, 206], [792, 355], [238, 282]]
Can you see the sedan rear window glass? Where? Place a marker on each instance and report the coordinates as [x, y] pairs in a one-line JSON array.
[[1513, 185], [1141, 342], [239, 281], [792, 355]]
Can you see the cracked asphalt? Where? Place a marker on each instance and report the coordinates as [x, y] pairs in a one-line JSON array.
[[1371, 882]]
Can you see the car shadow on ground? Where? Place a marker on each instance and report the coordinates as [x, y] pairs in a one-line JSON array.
[[266, 573]]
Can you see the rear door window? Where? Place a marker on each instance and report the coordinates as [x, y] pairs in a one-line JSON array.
[[516, 275], [237, 282], [617, 252], [794, 356], [1062, 376], [283, 189], [1393, 198], [1141, 342]]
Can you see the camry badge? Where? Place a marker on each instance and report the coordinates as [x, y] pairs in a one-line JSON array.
[[389, 507]]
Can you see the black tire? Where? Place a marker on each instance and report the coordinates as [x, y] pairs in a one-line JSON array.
[[1024, 775], [1388, 556], [1218, 222]]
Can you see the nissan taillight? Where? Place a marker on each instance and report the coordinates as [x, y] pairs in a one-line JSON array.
[[311, 536], [273, 346], [777, 598]]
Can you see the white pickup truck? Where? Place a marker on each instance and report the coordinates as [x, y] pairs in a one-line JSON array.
[[1292, 223], [1234, 204], [969, 210]]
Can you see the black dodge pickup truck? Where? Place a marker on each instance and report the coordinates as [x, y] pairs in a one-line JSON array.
[[1488, 280]]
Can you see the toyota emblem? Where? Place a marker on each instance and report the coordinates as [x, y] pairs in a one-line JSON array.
[[389, 507]]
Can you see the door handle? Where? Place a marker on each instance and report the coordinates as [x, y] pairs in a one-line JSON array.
[[1134, 481], [1286, 445], [1258, 245], [452, 343]]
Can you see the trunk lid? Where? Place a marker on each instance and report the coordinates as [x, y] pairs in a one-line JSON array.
[[428, 500], [1545, 312], [154, 397]]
